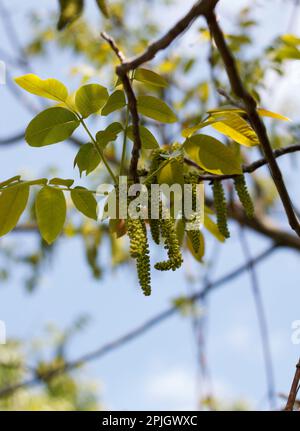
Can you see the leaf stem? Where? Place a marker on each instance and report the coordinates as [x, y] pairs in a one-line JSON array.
[[98, 149], [124, 142]]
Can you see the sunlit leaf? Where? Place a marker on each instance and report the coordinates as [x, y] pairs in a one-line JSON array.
[[149, 77], [90, 98], [49, 88], [212, 155], [156, 109], [115, 102], [236, 128], [87, 159], [148, 140], [51, 126], [13, 202], [85, 202], [108, 135], [50, 207]]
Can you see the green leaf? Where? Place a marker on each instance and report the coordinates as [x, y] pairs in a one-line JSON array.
[[148, 140], [90, 98], [108, 135], [171, 173], [61, 182], [103, 7], [50, 207], [49, 88], [12, 204], [85, 202], [70, 10], [51, 126], [115, 102], [156, 109], [149, 77], [212, 155], [189, 131], [87, 159], [235, 127]]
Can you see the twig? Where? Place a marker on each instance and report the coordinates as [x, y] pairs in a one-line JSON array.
[[142, 329], [262, 321], [294, 389], [254, 118]]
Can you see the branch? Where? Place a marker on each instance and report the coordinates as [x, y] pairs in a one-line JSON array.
[[294, 389], [255, 120], [203, 7], [145, 327], [262, 322]]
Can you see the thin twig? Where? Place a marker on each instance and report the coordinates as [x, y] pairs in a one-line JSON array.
[[262, 321], [240, 92], [140, 330]]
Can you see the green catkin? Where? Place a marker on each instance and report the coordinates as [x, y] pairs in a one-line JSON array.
[[243, 194], [220, 206], [171, 244], [139, 250], [153, 223], [194, 235], [195, 238]]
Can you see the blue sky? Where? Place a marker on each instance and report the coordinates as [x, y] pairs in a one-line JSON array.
[[158, 370]]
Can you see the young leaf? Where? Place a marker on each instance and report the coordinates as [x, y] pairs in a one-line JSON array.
[[148, 140], [70, 10], [49, 88], [212, 155], [50, 208], [115, 102], [171, 173], [51, 126], [236, 128], [87, 159], [103, 7], [90, 98], [13, 201], [156, 109], [61, 182], [223, 110], [85, 202], [149, 77], [108, 135]]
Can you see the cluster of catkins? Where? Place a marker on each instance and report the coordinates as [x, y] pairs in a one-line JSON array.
[[162, 229], [220, 202]]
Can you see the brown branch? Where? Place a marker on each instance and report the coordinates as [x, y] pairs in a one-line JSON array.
[[294, 389], [203, 7], [255, 120], [140, 330], [200, 8]]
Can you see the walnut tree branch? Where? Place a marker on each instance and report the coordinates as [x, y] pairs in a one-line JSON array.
[[241, 93]]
